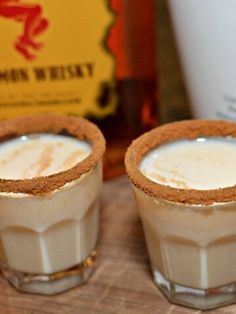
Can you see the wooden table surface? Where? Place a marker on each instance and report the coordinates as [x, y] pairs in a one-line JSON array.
[[122, 282]]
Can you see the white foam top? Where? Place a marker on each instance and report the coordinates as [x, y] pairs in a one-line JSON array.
[[40, 155], [204, 163]]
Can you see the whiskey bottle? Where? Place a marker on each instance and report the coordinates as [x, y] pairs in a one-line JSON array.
[[91, 58]]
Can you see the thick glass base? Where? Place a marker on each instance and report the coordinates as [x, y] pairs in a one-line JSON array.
[[52, 283], [196, 298]]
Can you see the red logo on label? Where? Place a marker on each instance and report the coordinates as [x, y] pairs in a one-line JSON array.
[[30, 15]]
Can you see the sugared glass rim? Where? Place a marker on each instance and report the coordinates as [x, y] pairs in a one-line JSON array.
[[54, 124], [188, 129]]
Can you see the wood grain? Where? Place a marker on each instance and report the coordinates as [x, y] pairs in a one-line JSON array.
[[122, 282]]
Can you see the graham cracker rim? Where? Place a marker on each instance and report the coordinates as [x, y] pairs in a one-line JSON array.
[[188, 129], [54, 124]]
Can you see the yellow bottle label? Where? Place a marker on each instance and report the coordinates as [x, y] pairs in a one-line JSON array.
[[53, 57]]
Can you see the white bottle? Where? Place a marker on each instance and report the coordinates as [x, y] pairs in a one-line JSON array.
[[206, 36]]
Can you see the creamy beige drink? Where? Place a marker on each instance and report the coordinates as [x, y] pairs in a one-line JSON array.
[[36, 155], [184, 177], [49, 201], [202, 163]]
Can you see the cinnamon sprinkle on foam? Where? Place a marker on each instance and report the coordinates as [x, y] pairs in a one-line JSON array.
[[172, 132], [55, 124]]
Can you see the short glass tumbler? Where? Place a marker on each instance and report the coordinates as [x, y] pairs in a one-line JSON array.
[[190, 233], [49, 224]]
